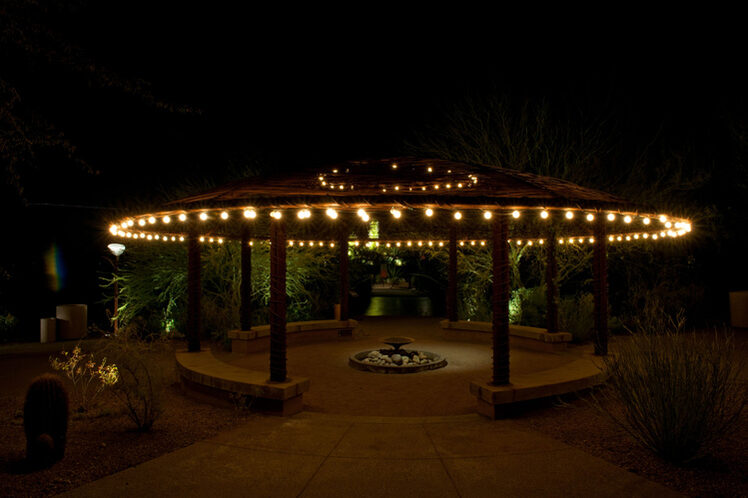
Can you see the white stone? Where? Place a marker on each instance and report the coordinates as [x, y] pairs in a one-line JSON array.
[[405, 360]]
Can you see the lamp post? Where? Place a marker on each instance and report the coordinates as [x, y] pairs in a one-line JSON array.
[[117, 250]]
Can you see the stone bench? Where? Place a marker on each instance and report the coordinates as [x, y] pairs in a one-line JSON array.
[[203, 373], [258, 338], [580, 374], [519, 335]]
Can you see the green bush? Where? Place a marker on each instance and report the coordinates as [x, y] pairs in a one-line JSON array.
[[8, 327], [575, 315], [676, 393]]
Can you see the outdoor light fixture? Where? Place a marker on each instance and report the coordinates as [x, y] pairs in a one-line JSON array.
[[117, 249]]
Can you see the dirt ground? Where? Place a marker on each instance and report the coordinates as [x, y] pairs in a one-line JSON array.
[[104, 442]]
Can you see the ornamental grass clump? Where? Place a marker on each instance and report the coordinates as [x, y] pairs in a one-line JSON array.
[[676, 393], [89, 378]]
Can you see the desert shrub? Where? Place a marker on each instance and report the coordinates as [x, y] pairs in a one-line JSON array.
[[575, 315], [88, 377], [143, 376], [678, 392], [8, 327]]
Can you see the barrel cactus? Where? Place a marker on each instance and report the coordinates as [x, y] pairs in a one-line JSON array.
[[45, 419]]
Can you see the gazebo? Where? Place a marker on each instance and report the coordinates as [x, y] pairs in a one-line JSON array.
[[414, 203]]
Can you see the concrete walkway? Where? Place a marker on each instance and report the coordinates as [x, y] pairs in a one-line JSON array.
[[346, 456]]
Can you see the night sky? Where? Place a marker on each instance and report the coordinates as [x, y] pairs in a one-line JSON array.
[[152, 98]]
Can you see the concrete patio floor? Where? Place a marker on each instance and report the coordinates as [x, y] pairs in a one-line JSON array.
[[313, 454], [337, 388]]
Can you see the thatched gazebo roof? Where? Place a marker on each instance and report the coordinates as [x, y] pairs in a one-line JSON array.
[[409, 198]]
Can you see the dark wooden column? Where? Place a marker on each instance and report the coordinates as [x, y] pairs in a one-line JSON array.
[[245, 291], [452, 274], [600, 276], [194, 291], [500, 299], [277, 301], [344, 263], [551, 288]]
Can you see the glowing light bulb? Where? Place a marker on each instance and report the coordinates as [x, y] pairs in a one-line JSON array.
[[394, 165], [276, 214], [365, 217], [459, 185], [569, 215], [250, 213], [619, 238], [303, 214], [611, 238], [397, 187], [591, 240], [151, 220], [458, 215], [487, 215], [141, 222], [429, 212], [429, 169], [627, 219], [182, 217], [441, 244], [611, 217], [645, 235], [203, 216], [668, 224], [166, 219], [515, 214], [590, 217], [331, 213], [150, 237], [113, 229], [396, 213], [409, 243], [544, 214], [646, 221], [130, 223], [663, 218], [224, 215]]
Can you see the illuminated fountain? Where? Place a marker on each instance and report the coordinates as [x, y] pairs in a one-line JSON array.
[[396, 359]]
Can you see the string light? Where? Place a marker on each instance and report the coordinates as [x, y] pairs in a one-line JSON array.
[[663, 218], [590, 217], [224, 215], [569, 215], [611, 217], [515, 214], [182, 217], [458, 215], [396, 213], [331, 213], [627, 219], [429, 212], [276, 214], [203, 216], [646, 221], [113, 229], [250, 214], [544, 214], [151, 220], [487, 215], [304, 214]]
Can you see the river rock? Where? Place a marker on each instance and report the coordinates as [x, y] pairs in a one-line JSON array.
[[396, 358]]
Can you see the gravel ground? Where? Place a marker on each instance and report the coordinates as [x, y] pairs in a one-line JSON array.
[[104, 444]]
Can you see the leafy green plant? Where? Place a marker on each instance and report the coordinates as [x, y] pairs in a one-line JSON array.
[[676, 393], [89, 379], [8, 327]]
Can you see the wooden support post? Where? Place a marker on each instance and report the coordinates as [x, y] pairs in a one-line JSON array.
[[344, 279], [551, 288], [194, 291], [500, 299], [452, 274], [245, 291], [277, 301], [600, 276]]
